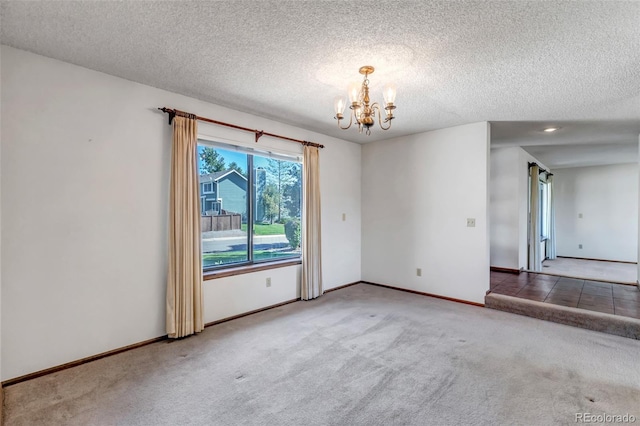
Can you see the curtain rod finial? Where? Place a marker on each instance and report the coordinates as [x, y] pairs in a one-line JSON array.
[[171, 112]]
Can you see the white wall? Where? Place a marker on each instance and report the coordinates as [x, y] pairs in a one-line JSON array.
[[639, 216], [504, 205], [607, 198], [418, 192], [509, 190], [85, 173]]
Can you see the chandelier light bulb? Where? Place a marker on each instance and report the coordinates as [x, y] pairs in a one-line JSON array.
[[339, 105], [389, 94], [354, 92]]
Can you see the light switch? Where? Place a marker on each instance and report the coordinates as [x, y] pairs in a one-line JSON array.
[[579, 215], [344, 217]]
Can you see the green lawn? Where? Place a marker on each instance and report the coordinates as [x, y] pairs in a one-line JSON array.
[[274, 229]]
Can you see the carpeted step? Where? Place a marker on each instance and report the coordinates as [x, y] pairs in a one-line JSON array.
[[597, 321]]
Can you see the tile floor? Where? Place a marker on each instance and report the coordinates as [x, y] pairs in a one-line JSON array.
[[610, 298]]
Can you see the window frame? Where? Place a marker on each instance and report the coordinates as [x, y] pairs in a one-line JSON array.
[[204, 185], [544, 209], [217, 203], [251, 265]]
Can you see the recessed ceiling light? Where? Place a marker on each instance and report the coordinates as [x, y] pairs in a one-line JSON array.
[[551, 129]]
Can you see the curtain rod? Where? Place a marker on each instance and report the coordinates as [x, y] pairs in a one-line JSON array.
[[541, 169], [259, 133]]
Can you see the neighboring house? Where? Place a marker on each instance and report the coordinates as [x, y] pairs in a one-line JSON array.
[[226, 190]]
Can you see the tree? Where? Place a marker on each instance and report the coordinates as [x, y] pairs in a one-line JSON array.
[[280, 174], [234, 166], [270, 201], [211, 161], [292, 192]]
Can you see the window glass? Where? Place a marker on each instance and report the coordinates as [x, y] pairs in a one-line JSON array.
[[277, 208], [223, 205], [544, 210], [248, 217]]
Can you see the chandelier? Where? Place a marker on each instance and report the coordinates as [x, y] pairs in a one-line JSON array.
[[362, 111]]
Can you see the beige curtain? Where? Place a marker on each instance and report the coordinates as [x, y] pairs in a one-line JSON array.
[[311, 256], [535, 262], [184, 283]]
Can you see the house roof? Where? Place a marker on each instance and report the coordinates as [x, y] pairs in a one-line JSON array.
[[214, 177]]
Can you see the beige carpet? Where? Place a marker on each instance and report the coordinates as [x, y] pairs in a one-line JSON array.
[[363, 355], [592, 269]]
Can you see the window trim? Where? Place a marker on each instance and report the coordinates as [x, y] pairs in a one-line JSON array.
[[233, 269], [204, 185]]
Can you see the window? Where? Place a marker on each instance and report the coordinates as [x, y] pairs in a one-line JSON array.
[[251, 206], [544, 210], [212, 206]]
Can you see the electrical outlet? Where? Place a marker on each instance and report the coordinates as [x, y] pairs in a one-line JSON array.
[[419, 272], [471, 223], [579, 246], [269, 282], [579, 215]]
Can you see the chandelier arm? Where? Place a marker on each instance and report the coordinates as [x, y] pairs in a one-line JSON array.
[[377, 108], [350, 122]]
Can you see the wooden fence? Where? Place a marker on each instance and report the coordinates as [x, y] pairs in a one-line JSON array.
[[221, 222]]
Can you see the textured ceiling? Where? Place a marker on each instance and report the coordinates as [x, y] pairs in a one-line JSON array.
[[574, 144], [454, 62]]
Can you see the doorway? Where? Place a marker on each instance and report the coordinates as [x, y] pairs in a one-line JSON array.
[[588, 223]]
